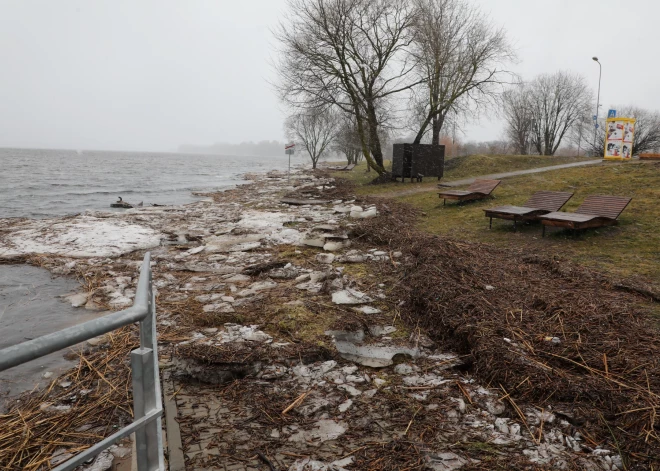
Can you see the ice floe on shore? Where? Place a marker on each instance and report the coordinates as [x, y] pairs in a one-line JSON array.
[[82, 236]]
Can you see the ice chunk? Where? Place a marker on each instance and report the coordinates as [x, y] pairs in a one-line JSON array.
[[350, 296], [82, 236]]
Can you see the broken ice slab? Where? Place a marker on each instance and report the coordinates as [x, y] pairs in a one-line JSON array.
[[239, 333], [218, 307], [325, 258], [206, 298], [352, 256], [375, 356], [344, 406], [308, 464], [244, 247], [313, 241], [356, 336], [379, 330], [231, 243], [341, 209], [79, 237], [237, 278], [350, 296], [359, 213], [256, 287], [332, 246], [323, 431], [285, 273], [309, 286], [77, 299], [444, 461], [367, 310]]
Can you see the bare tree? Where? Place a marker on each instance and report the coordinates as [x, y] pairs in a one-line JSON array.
[[557, 103], [517, 114], [460, 60], [315, 130], [647, 131], [346, 53], [347, 141], [581, 134], [500, 147]]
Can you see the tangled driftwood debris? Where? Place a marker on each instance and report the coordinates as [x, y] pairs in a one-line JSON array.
[[603, 373]]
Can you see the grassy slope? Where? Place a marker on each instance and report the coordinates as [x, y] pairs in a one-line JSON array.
[[630, 249], [458, 168]]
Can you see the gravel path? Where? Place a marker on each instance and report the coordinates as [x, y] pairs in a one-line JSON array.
[[468, 181]]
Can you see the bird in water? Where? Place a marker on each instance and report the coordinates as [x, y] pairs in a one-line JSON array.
[[120, 200]]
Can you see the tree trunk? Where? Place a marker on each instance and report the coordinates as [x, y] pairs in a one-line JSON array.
[[422, 129], [365, 148], [374, 140], [438, 121]]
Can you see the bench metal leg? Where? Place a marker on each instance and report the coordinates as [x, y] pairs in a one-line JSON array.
[[444, 202], [490, 225], [543, 234]]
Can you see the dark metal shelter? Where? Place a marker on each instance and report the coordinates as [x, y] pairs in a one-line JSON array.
[[416, 161]]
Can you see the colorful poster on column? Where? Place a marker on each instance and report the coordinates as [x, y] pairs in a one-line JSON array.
[[619, 135]]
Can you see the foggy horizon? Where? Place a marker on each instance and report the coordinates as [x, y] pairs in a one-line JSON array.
[[154, 76]]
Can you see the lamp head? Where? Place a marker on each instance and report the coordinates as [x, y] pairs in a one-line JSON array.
[[595, 58]]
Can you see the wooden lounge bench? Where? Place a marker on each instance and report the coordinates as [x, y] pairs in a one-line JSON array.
[[649, 156], [346, 168], [479, 190], [541, 202], [595, 211]]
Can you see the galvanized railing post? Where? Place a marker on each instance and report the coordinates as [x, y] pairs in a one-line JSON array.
[[140, 360], [146, 389]]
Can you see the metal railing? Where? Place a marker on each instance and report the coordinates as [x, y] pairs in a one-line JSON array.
[[147, 404]]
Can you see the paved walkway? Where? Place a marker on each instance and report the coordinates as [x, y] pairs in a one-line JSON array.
[[496, 176]]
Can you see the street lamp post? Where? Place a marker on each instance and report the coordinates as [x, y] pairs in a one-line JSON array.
[[600, 74]]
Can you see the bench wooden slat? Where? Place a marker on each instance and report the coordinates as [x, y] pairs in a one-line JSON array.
[[485, 187], [574, 217], [455, 192], [540, 203], [479, 190], [604, 206], [513, 210], [595, 211], [548, 200]]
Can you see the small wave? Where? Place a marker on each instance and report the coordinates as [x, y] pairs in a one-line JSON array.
[[67, 184], [57, 182], [97, 192]]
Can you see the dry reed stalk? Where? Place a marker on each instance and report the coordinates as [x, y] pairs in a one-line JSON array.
[[296, 403], [32, 431]]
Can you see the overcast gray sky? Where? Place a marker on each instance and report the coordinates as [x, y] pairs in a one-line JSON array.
[[153, 74]]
